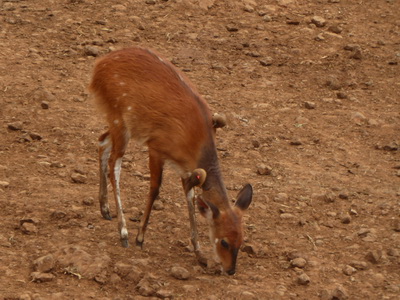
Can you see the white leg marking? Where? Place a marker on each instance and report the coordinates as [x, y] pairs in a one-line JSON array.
[[117, 173]]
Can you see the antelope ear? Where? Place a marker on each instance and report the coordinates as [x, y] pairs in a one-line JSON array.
[[207, 209], [197, 178], [244, 197], [219, 121]]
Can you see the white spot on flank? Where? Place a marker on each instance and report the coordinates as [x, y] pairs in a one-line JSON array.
[[124, 94], [116, 122], [129, 107], [122, 83]]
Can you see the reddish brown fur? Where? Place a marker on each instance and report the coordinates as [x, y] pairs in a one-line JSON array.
[[145, 97]]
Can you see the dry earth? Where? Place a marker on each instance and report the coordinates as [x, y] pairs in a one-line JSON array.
[[311, 90]]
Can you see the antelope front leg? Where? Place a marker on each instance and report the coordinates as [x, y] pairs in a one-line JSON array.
[[193, 228]]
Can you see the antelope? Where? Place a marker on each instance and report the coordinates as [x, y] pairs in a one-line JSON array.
[[144, 97]]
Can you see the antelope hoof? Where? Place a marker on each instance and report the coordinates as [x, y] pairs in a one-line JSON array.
[[106, 214], [139, 244], [139, 241], [125, 243], [201, 259]]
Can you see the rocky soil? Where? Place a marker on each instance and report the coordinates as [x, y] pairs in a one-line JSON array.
[[311, 92]]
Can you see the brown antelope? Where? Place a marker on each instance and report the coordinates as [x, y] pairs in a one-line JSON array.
[[146, 98]]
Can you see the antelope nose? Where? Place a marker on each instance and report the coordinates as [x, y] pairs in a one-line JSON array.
[[231, 271]]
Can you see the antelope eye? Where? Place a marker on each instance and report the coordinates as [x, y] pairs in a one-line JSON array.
[[224, 244]]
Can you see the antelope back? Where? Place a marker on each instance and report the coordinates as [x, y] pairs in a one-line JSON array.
[[146, 96]]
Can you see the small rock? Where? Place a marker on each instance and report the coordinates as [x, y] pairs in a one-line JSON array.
[[249, 249], [346, 219], [309, 105], [281, 197], [44, 264], [15, 126], [35, 136], [318, 21], [358, 118], [88, 201], [335, 29], [374, 256], [4, 184], [396, 225], [180, 273], [267, 61], [303, 279], [267, 18], [164, 294], [29, 228], [341, 95], [232, 28], [92, 51], [333, 83], [246, 295], [263, 169], [115, 279], [359, 265], [150, 2], [248, 8], [298, 262], [286, 216], [255, 143], [296, 143], [339, 293], [158, 205], [78, 178], [356, 54], [349, 270], [41, 277], [393, 252], [45, 105]]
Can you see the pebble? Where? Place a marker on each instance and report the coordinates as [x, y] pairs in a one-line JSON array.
[[232, 28], [358, 118], [15, 126], [333, 83], [396, 226], [92, 51], [165, 294], [158, 205], [78, 178], [335, 29], [349, 270], [44, 264], [286, 216], [249, 249], [246, 295], [248, 8], [88, 201], [150, 2], [263, 169], [309, 105], [29, 228], [303, 279], [4, 184], [374, 256], [346, 218], [180, 273], [281, 197], [339, 293], [42, 277], [298, 262], [318, 21], [359, 265], [267, 61], [45, 105]]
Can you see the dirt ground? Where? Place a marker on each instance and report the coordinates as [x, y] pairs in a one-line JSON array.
[[311, 91]]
